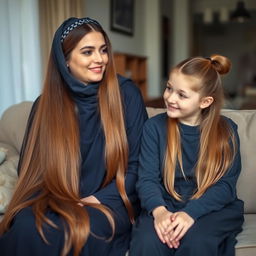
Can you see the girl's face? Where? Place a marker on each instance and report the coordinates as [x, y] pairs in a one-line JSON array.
[[88, 60], [182, 102]]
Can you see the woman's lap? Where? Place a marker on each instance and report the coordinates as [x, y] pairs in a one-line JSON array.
[[23, 237]]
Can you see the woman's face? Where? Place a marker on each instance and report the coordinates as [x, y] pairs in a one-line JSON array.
[[88, 60]]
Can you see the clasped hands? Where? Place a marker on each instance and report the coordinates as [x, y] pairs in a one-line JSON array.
[[171, 227]]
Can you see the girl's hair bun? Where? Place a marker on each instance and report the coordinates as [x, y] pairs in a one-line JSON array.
[[220, 63]]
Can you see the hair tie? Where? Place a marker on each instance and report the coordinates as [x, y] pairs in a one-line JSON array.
[[77, 23]]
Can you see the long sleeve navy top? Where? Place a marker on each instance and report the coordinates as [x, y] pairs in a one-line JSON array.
[[150, 184], [92, 141]]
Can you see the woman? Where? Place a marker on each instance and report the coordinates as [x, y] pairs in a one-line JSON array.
[[78, 166]]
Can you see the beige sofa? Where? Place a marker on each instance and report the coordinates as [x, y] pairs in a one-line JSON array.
[[12, 126]]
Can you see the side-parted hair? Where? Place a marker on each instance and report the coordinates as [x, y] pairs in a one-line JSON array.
[[217, 143], [50, 166]]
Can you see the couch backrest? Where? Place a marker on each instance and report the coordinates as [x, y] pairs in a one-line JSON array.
[[246, 121], [246, 187], [13, 123]]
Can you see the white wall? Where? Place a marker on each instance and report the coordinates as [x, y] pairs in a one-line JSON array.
[[144, 42], [153, 46], [181, 30], [100, 10]]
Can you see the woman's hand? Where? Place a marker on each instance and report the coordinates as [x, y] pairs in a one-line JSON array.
[[180, 224], [162, 220], [91, 200]]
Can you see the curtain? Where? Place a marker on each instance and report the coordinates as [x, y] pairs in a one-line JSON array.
[[20, 69], [52, 14]]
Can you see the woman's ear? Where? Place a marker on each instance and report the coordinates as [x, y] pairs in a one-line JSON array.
[[206, 102]]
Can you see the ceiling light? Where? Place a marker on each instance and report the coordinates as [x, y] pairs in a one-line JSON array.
[[240, 14]]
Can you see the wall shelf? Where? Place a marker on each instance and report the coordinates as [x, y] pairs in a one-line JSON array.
[[134, 67]]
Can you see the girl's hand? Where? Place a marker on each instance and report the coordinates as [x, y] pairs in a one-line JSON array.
[[171, 243], [180, 224], [162, 220]]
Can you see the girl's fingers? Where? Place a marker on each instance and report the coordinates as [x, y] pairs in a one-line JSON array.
[[175, 244], [168, 242], [159, 233], [177, 232], [172, 226], [182, 233]]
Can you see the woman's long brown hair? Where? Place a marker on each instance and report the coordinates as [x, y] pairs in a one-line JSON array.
[[50, 166], [216, 152]]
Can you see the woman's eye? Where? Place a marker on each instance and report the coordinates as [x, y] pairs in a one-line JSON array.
[[87, 52], [104, 50]]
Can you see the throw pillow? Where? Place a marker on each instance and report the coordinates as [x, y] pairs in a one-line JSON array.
[[3, 152], [8, 179]]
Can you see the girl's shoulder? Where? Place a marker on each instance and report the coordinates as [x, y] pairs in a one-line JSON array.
[[229, 122], [157, 121]]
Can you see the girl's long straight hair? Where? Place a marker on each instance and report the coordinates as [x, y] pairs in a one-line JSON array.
[[50, 164], [217, 142]]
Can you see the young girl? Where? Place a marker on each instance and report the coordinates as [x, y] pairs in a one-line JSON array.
[[189, 166]]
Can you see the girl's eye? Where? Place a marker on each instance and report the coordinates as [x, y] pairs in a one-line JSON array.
[[181, 95], [168, 88]]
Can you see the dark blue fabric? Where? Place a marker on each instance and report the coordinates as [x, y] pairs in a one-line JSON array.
[[17, 243], [93, 170], [218, 214], [212, 234], [150, 184]]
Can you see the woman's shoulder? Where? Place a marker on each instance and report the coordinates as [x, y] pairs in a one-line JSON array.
[[127, 86]]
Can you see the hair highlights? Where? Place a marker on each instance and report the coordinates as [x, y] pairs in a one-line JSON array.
[[49, 170], [216, 153]]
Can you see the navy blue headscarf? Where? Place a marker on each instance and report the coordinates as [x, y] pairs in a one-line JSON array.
[[92, 139], [65, 28]]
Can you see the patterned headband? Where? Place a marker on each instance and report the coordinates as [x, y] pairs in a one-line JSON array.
[[77, 23]]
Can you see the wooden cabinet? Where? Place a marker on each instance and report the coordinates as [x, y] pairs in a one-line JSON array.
[[134, 67]]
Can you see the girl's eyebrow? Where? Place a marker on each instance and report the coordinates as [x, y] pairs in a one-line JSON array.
[[182, 91]]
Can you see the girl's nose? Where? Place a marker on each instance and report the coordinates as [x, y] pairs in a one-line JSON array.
[[171, 97]]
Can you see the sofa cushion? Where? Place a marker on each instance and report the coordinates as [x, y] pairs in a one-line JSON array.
[[8, 179], [246, 187], [13, 123], [3, 152], [246, 245]]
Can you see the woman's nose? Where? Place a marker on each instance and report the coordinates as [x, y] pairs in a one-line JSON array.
[[98, 58]]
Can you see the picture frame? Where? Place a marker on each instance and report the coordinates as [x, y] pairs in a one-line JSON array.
[[122, 16]]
